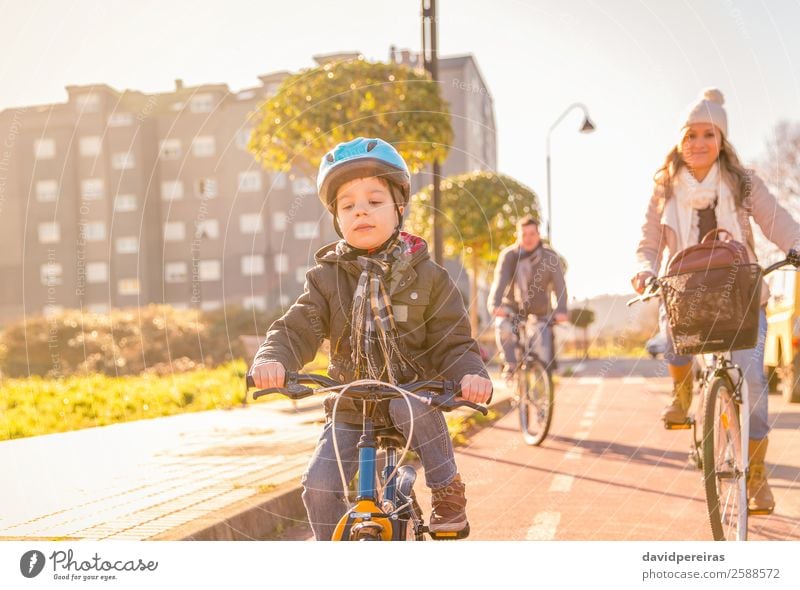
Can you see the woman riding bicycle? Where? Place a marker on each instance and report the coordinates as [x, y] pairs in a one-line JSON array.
[[700, 187], [390, 314]]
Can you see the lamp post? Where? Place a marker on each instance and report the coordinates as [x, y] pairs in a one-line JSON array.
[[430, 58], [586, 127]]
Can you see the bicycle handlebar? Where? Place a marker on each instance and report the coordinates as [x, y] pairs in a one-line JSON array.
[[439, 394], [653, 286]]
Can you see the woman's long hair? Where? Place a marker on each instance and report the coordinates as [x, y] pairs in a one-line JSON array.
[[737, 177]]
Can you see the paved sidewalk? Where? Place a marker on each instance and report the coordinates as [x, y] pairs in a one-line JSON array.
[[224, 475]]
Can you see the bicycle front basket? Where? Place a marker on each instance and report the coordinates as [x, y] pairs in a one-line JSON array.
[[714, 309]]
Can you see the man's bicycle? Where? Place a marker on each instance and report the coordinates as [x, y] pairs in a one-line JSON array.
[[532, 382], [721, 451], [385, 507]]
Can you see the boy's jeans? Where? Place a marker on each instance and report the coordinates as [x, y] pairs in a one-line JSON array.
[[322, 484]]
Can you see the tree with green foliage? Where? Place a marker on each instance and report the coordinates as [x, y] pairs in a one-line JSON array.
[[480, 212], [582, 318], [320, 107]]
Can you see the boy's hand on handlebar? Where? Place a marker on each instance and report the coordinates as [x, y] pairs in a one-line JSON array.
[[269, 375], [475, 388], [793, 256], [639, 281]]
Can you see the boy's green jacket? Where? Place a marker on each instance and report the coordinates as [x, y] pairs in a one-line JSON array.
[[431, 319]]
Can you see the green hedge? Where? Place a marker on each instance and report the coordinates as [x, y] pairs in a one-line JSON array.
[[35, 405], [157, 338]]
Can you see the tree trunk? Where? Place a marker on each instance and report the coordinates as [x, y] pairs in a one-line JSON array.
[[473, 294], [586, 342]]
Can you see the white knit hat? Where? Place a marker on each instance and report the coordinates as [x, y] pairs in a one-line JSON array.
[[708, 110]]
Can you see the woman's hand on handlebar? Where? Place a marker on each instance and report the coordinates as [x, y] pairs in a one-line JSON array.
[[475, 388], [269, 375], [640, 280]]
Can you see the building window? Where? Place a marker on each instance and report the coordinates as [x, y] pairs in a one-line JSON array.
[[278, 180], [52, 310], [204, 146], [44, 149], [210, 305], [255, 302], [210, 270], [252, 265], [123, 161], [300, 274], [88, 103], [50, 274], [49, 232], [306, 230], [174, 231], [125, 203], [250, 223], [201, 103], [207, 229], [96, 272], [279, 221], [171, 190], [46, 191], [284, 301], [90, 146], [94, 231], [92, 189], [128, 286], [250, 181], [303, 186], [120, 120], [243, 138], [175, 272], [97, 308], [127, 245], [206, 188], [281, 264], [170, 149]]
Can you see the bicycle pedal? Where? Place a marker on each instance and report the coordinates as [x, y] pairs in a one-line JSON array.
[[449, 535], [679, 425], [761, 512]]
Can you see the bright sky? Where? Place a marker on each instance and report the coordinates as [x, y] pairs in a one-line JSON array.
[[635, 63]]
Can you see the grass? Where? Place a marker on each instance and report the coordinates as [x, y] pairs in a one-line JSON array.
[[33, 406]]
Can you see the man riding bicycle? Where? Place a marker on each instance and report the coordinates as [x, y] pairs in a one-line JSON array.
[[526, 277]]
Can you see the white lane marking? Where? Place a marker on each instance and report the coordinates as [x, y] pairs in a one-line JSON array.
[[574, 453], [562, 483], [589, 413], [582, 435], [544, 526], [633, 380], [590, 380], [586, 423], [578, 368]]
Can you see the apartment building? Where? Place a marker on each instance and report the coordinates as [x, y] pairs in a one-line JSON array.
[[121, 199]]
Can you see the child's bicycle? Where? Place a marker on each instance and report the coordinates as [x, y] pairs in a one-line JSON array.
[[721, 451], [385, 508], [533, 383]]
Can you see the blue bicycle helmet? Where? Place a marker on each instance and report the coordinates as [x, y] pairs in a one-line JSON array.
[[360, 158]]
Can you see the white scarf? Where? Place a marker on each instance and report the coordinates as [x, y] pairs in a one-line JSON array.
[[689, 195]]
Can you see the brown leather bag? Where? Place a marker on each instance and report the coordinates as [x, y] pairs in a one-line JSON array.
[[710, 295], [711, 252]]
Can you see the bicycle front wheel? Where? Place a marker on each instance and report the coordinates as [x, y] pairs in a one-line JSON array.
[[535, 391], [411, 523], [724, 463]]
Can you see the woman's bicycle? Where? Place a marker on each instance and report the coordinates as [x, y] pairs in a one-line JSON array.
[[385, 507], [721, 451], [533, 383]]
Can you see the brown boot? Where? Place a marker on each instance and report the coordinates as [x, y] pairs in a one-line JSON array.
[[759, 496], [448, 508], [675, 412]]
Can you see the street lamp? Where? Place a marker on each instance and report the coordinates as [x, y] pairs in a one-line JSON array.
[[586, 127]]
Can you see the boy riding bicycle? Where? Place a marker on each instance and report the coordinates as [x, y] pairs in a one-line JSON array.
[[391, 314], [525, 277]]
